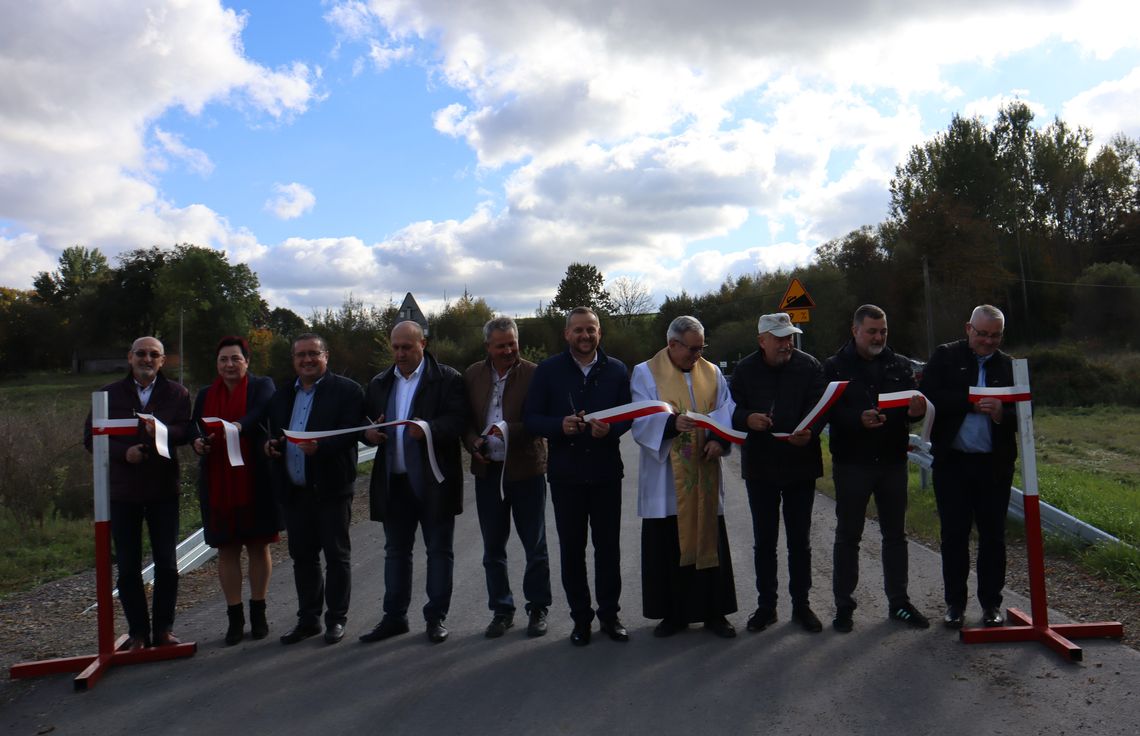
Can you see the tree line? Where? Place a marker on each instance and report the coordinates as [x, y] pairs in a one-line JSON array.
[[1035, 220]]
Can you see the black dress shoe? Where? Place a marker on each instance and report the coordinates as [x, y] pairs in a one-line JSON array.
[[301, 632], [334, 633], [614, 629], [992, 616], [389, 626], [954, 618], [436, 631], [667, 627], [500, 622], [537, 624], [805, 617], [761, 619], [580, 636], [721, 627]]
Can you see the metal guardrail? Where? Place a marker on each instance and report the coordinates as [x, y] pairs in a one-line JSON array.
[[1053, 520]]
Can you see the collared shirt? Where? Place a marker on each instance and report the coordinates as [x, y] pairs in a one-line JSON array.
[[302, 406], [495, 448], [975, 434], [144, 392], [586, 368], [405, 392]]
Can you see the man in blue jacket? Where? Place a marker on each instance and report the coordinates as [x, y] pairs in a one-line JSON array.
[[584, 467]]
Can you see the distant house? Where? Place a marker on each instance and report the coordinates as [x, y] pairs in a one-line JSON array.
[[410, 310]]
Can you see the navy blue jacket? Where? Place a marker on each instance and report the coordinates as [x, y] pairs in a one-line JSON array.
[[338, 404], [850, 441], [946, 380], [557, 382]]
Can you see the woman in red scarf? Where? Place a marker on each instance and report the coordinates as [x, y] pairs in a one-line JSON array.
[[238, 506]]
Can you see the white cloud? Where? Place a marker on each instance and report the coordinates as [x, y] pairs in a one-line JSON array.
[[75, 166], [291, 201], [1108, 108], [196, 160], [988, 107]]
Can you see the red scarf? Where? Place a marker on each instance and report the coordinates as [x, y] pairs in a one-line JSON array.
[[231, 489]]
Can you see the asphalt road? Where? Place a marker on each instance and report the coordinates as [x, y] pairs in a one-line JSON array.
[[882, 678]]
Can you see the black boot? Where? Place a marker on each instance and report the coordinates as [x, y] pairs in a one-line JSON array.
[[258, 626], [236, 615]]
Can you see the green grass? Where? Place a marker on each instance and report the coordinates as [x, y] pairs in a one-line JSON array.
[[62, 389], [36, 555], [1088, 465]]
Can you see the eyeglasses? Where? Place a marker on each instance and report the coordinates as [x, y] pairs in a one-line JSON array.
[[986, 335], [309, 353], [152, 354], [694, 349]]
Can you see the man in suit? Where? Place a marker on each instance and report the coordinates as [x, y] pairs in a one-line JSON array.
[[144, 486], [516, 463], [316, 479], [584, 467], [404, 493], [974, 450]]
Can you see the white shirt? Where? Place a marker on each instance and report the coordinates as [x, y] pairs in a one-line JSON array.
[[586, 368], [656, 492], [495, 449], [144, 392], [405, 392]]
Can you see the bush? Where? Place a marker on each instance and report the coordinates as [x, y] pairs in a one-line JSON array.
[[44, 470], [1066, 375]]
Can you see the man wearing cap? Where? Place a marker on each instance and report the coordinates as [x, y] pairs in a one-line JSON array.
[[868, 454], [686, 568], [974, 451], [774, 388]]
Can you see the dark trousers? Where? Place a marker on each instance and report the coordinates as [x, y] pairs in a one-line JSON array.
[[855, 485], [526, 501], [126, 529], [406, 511], [595, 509], [684, 595], [764, 500], [315, 525], [972, 489]]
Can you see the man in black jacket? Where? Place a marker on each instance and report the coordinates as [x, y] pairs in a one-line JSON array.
[[774, 389], [974, 451], [315, 480], [404, 493], [868, 453]]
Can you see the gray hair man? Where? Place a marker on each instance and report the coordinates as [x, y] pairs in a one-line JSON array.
[[686, 568]]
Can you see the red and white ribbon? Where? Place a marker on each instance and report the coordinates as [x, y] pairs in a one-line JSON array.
[[831, 394], [502, 427], [233, 439], [121, 427], [897, 399], [645, 408], [161, 436], [1007, 394], [297, 437]]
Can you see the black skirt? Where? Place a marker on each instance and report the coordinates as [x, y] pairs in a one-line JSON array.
[[683, 594]]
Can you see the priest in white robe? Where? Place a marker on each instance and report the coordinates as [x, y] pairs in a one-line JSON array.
[[686, 568]]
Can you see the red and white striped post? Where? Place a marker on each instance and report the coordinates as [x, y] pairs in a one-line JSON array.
[[1036, 627], [92, 666]]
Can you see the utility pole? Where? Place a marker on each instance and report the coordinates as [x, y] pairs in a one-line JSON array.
[[181, 354], [929, 308]]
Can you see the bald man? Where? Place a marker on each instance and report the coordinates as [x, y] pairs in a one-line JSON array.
[[404, 493]]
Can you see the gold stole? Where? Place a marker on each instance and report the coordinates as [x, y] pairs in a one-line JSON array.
[[696, 481]]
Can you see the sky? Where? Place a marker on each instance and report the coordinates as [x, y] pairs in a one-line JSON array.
[[344, 147]]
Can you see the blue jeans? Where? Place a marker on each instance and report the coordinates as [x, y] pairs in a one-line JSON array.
[[764, 501], [526, 501], [405, 511]]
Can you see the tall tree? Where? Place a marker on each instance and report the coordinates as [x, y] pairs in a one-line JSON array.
[[209, 298], [583, 286], [630, 298]]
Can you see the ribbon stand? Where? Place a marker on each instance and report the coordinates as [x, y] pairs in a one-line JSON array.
[[1022, 626], [94, 665]]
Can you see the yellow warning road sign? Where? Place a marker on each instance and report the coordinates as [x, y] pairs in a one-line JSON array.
[[796, 298], [799, 316]]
